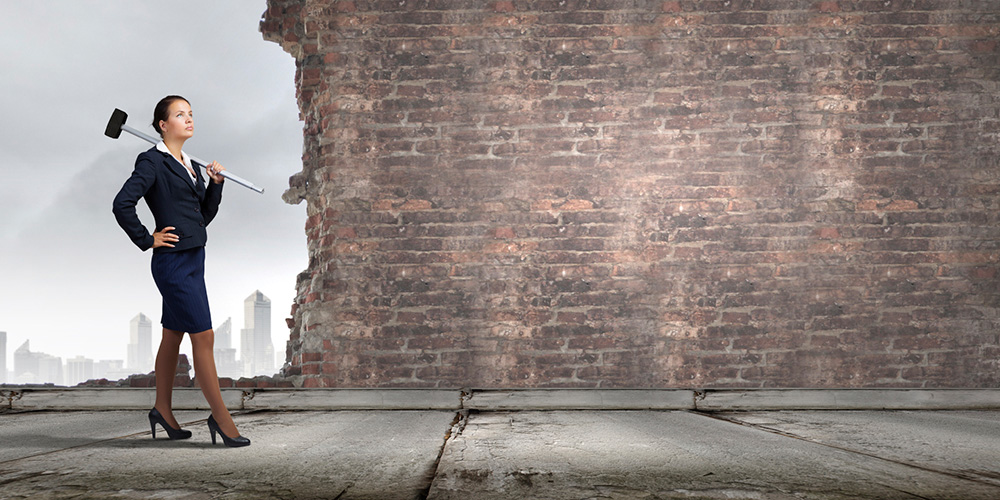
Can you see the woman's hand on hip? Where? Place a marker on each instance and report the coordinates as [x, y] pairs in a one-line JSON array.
[[164, 238], [215, 172]]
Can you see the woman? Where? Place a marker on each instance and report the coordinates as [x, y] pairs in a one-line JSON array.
[[182, 205]]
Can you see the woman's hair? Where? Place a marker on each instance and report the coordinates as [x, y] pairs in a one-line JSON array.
[[162, 109]]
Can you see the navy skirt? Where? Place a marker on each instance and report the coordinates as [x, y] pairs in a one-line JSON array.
[[180, 276]]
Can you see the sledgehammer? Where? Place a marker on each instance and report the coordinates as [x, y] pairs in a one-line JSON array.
[[117, 124]]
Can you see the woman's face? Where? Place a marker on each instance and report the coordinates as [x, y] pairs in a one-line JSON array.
[[179, 123]]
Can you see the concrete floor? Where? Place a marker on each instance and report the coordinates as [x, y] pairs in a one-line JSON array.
[[509, 454]]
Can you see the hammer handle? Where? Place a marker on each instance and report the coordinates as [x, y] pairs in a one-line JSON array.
[[204, 164]]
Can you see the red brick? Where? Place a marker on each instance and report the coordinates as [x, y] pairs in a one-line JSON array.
[[531, 194], [671, 6]]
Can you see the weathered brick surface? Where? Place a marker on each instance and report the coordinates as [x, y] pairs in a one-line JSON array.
[[633, 193]]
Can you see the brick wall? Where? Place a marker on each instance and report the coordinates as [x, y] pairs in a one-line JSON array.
[[633, 193]]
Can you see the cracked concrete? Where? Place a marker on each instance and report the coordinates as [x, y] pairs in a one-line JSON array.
[[953, 442], [646, 454], [508, 454], [353, 454]]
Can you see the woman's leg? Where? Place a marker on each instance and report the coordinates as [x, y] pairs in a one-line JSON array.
[[203, 349], [165, 371]]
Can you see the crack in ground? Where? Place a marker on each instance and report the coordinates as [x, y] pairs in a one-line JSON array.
[[60, 450], [914, 495], [10, 397], [455, 429], [24, 475], [105, 440], [926, 468]]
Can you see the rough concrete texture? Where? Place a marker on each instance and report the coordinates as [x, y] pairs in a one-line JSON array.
[[959, 444], [681, 455], [528, 454], [292, 455]]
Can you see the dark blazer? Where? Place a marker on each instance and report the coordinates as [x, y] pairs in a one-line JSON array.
[[172, 198]]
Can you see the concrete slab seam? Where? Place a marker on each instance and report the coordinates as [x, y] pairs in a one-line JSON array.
[[99, 441], [460, 420], [9, 397], [247, 396], [23, 476], [485, 400], [846, 399], [697, 396], [925, 468], [464, 396], [454, 430]]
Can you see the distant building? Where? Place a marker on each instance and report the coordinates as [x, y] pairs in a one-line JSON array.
[[111, 369], [3, 357], [25, 365], [79, 369], [256, 349], [224, 334], [225, 354], [36, 367], [140, 346]]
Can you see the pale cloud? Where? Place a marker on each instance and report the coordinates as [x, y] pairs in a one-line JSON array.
[[71, 279]]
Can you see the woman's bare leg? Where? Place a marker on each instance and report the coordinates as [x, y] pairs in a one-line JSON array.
[[165, 370], [203, 349]]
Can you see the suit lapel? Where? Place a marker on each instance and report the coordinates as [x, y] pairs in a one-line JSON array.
[[179, 170], [200, 184]]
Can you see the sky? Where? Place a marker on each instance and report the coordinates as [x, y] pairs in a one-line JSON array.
[[70, 279]]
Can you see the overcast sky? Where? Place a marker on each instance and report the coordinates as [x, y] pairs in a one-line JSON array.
[[71, 280]]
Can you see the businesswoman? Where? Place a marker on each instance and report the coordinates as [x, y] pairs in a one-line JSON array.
[[182, 205]]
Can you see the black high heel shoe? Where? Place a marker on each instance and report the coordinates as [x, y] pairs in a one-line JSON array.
[[156, 418], [235, 442]]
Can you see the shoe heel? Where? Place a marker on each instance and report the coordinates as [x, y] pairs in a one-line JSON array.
[[156, 418], [235, 442]]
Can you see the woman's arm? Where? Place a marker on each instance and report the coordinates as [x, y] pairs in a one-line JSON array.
[[137, 185]]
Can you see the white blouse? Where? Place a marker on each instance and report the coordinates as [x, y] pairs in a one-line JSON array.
[[162, 146]]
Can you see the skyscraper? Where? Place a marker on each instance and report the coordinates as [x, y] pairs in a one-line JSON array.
[[36, 367], [256, 349], [224, 334], [25, 365], [140, 346], [225, 355], [111, 369], [79, 369], [3, 357]]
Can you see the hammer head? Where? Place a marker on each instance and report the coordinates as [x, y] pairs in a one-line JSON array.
[[114, 128]]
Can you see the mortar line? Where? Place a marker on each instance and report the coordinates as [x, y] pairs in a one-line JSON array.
[[926, 468]]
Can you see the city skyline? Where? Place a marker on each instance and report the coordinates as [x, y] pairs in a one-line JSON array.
[[246, 118], [32, 367], [37, 367]]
